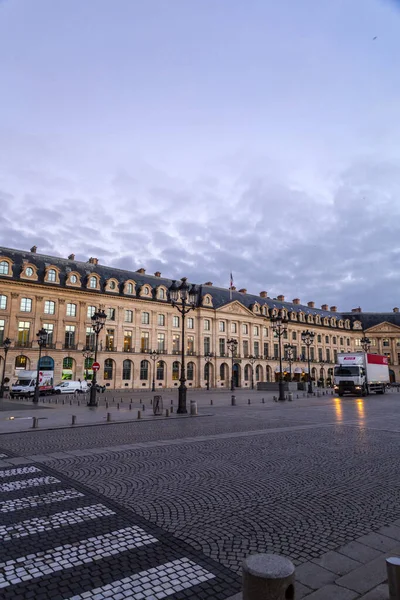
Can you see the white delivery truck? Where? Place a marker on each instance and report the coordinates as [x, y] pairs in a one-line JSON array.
[[24, 387], [361, 373]]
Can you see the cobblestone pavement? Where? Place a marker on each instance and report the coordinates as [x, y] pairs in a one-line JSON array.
[[296, 479]]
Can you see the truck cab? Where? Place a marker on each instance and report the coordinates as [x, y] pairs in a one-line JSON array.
[[350, 379]]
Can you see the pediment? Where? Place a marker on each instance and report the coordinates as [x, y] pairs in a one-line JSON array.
[[236, 308], [384, 327]]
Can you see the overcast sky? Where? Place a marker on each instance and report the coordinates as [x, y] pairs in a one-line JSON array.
[[200, 137]]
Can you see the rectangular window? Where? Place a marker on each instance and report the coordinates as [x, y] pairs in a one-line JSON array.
[[328, 355], [276, 351], [373, 342], [90, 311], [23, 332], [385, 343], [49, 307], [294, 335], [285, 334], [221, 346], [49, 327], [190, 323], [256, 348], [71, 310], [245, 348], [69, 336], [245, 328], [265, 331], [320, 358], [3, 302], [348, 341], [175, 321], [335, 356], [357, 342], [2, 326], [341, 341], [319, 338], [127, 341], [294, 352], [233, 327], [221, 326], [207, 325], [266, 349], [397, 341], [128, 316], [256, 330], [111, 314], [327, 339], [26, 305], [303, 353], [144, 341], [89, 338], [161, 320], [145, 318], [312, 353], [334, 340], [207, 345], [161, 341], [110, 340], [176, 343], [190, 344]]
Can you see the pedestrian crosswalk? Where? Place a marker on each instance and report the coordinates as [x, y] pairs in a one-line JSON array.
[[58, 540]]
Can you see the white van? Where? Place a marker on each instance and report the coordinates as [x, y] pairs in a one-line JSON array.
[[71, 387]]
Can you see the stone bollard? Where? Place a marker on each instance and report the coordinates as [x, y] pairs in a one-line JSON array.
[[297, 396], [290, 396], [268, 576], [249, 401], [73, 421], [108, 417], [393, 573], [122, 401], [233, 400], [166, 412], [151, 401], [35, 422], [139, 414], [318, 394], [193, 408], [70, 402], [262, 400], [79, 402]]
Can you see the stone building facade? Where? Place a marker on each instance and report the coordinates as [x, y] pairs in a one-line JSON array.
[[60, 295]]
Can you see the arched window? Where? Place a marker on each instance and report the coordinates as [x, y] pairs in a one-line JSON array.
[[46, 363], [144, 369], [51, 275], [222, 371], [68, 362], [258, 373], [21, 362], [108, 368], [161, 294], [247, 373], [175, 371], [4, 267], [190, 371], [207, 371], [129, 288], [160, 370], [127, 369], [93, 282]]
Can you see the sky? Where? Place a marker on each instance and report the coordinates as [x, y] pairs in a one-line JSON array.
[[204, 137]]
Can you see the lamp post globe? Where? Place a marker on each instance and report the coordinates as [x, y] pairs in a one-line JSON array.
[[6, 346]]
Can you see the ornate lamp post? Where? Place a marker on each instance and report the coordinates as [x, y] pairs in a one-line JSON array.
[[98, 322], [154, 354], [365, 343], [6, 345], [188, 300], [252, 360], [41, 340], [232, 347], [322, 364], [307, 337], [87, 355], [208, 358], [289, 353], [279, 326]]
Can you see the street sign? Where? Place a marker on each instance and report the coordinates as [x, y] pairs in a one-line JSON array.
[[96, 366]]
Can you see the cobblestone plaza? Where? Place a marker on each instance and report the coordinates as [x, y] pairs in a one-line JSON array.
[[169, 509]]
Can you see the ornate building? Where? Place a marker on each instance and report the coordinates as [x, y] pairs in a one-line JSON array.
[[61, 295]]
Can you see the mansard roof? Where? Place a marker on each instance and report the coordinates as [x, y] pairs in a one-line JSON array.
[[370, 319]]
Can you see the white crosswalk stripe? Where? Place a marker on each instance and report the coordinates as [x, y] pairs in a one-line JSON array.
[[158, 582], [21, 484], [19, 471], [61, 519], [72, 555], [37, 501]]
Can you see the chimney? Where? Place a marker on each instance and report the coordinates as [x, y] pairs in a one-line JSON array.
[[357, 310], [157, 274], [311, 304], [243, 291], [34, 249], [281, 298], [324, 307], [296, 300], [141, 271], [396, 309], [333, 308], [208, 283], [233, 288], [263, 294], [93, 261], [71, 257]]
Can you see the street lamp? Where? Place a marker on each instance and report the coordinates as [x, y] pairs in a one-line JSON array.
[[289, 352], [365, 344], [252, 360], [307, 337], [87, 355], [98, 322], [279, 326], [41, 340], [322, 364], [6, 345], [208, 358], [154, 354], [188, 299], [232, 347]]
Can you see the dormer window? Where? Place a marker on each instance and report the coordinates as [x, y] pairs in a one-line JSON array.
[[146, 291], [51, 275], [129, 288], [112, 285], [73, 279], [161, 294], [93, 283], [4, 267], [29, 271]]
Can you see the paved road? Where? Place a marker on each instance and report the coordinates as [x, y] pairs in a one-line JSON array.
[[300, 479]]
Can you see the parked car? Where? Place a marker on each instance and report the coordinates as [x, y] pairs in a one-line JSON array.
[[71, 387]]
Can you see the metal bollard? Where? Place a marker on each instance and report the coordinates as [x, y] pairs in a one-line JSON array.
[[275, 399], [130, 407], [122, 401], [172, 402], [118, 406], [290, 396], [166, 412], [63, 400], [233, 400], [143, 407], [79, 402], [106, 404], [171, 410], [139, 414], [35, 422], [108, 417], [211, 402], [393, 573], [193, 408], [249, 401], [268, 576], [262, 400], [70, 402], [73, 421]]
